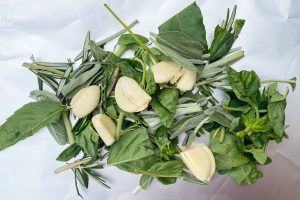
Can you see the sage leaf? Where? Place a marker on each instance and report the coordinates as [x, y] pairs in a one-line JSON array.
[[181, 43], [27, 120], [132, 145], [98, 53], [188, 21], [80, 80]]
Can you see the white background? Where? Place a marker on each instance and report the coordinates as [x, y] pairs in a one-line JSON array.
[[54, 30]]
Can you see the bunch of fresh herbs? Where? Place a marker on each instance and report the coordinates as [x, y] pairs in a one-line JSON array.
[[240, 127]]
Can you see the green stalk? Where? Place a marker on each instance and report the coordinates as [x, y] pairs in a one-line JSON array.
[[43, 68], [71, 165], [68, 126], [226, 60], [278, 81], [131, 33], [241, 109], [142, 83], [120, 123]]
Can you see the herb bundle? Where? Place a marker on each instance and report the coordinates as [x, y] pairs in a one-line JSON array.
[[143, 114]]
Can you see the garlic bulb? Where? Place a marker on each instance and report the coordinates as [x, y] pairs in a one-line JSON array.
[[187, 80], [105, 127], [130, 96], [85, 101], [200, 161], [164, 71]]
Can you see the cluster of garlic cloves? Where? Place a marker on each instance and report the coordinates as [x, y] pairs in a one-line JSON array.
[[170, 71]]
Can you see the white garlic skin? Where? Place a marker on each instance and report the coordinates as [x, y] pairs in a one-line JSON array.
[[164, 71], [105, 127], [200, 161], [187, 80], [85, 101], [129, 96]]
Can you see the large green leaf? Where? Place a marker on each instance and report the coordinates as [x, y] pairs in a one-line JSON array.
[[172, 168], [181, 43], [245, 85], [246, 174], [88, 139], [140, 164], [226, 153], [27, 120], [188, 21], [132, 145]]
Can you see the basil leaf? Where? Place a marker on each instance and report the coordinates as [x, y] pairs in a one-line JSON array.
[[145, 181], [166, 180], [227, 155], [221, 44], [245, 85], [163, 113], [140, 164], [27, 120], [57, 130], [172, 168], [70, 152], [188, 21], [132, 145], [181, 43], [128, 70], [127, 39], [246, 174], [260, 156], [150, 83], [276, 114], [168, 97], [88, 140]]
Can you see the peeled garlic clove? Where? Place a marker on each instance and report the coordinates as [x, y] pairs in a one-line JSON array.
[[177, 76], [187, 80], [130, 96], [164, 71], [200, 161], [85, 101], [105, 127]]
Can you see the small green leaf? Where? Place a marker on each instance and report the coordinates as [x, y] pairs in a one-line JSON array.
[[260, 156], [127, 39], [145, 181], [98, 53], [88, 140], [246, 174], [70, 152]]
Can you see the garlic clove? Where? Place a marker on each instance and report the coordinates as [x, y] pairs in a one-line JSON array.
[[130, 96], [105, 127], [164, 71], [187, 80], [177, 76], [85, 101], [200, 161]]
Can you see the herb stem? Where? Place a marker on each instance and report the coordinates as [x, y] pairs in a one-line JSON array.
[[226, 60], [242, 109], [131, 33], [43, 68], [71, 166], [68, 126], [120, 123], [142, 83], [132, 24], [278, 81]]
